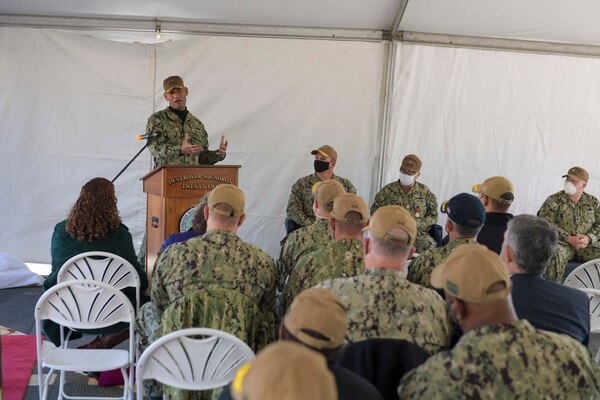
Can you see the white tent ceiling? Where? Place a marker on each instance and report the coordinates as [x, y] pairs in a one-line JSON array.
[[547, 21]]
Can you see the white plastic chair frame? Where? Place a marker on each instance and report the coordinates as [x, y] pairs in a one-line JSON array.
[[83, 304], [104, 267], [587, 275], [181, 360]]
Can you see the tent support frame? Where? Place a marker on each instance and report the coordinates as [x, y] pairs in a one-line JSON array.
[[514, 45], [192, 28]]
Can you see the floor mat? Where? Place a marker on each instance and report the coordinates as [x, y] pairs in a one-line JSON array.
[[18, 358]]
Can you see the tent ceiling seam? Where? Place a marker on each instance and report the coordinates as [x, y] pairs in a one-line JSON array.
[[398, 18]]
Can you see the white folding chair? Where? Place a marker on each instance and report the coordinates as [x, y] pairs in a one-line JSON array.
[[182, 360], [83, 304], [104, 267], [594, 296], [587, 275]]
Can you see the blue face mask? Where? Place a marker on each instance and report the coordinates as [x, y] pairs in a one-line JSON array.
[[321, 166]]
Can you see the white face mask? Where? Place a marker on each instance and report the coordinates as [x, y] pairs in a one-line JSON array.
[[570, 189], [406, 180]]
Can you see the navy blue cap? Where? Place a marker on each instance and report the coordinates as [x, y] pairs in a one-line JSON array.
[[464, 209]]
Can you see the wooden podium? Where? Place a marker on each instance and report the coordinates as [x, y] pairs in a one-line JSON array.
[[172, 192]]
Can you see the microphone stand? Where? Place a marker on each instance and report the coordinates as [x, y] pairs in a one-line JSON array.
[[132, 160]]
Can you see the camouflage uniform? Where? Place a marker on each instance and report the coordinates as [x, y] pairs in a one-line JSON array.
[[421, 204], [299, 207], [340, 259], [419, 270], [165, 148], [219, 259], [571, 218], [511, 361], [383, 304], [298, 243]]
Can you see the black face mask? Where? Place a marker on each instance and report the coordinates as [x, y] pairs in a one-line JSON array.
[[321, 166]]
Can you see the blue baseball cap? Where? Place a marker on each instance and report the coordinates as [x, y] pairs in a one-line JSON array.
[[464, 209]]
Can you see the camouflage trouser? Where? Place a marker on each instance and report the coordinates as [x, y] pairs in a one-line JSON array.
[[141, 255], [565, 253], [424, 242], [148, 328]]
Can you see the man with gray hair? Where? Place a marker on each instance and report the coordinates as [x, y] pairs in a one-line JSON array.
[[529, 244]]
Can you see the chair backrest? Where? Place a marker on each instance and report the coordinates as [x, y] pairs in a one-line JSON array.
[[193, 359], [83, 305], [587, 275], [382, 361], [101, 266], [594, 296]]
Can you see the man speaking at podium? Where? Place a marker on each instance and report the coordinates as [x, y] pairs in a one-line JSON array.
[[183, 139]]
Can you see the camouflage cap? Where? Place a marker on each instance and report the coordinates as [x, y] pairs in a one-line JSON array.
[[285, 370], [227, 194], [173, 82], [388, 219], [577, 173], [349, 202], [411, 165], [326, 191], [498, 188], [317, 318], [464, 209], [327, 151], [473, 273]]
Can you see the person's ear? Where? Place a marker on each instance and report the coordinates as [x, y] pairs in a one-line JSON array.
[[457, 309], [205, 212], [332, 224], [242, 219], [366, 245], [449, 226]]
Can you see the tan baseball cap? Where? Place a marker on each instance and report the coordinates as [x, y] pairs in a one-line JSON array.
[[228, 194], [317, 318], [285, 370], [473, 273], [349, 202], [498, 188], [327, 151], [387, 219], [577, 173], [326, 191], [173, 82], [411, 165]]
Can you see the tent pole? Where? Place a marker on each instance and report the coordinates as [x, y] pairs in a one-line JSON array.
[[386, 122]]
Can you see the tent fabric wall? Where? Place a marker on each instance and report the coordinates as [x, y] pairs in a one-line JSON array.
[[73, 105], [472, 114]]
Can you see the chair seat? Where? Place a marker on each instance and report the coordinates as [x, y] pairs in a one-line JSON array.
[[86, 359]]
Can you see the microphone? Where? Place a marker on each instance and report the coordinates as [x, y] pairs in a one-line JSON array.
[[150, 135]]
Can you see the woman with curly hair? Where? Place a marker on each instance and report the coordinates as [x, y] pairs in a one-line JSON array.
[[93, 224]]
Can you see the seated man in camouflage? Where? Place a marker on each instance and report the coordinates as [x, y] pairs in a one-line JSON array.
[[218, 259], [499, 356], [576, 215], [342, 258], [413, 196], [299, 207], [310, 238], [381, 303], [466, 216]]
